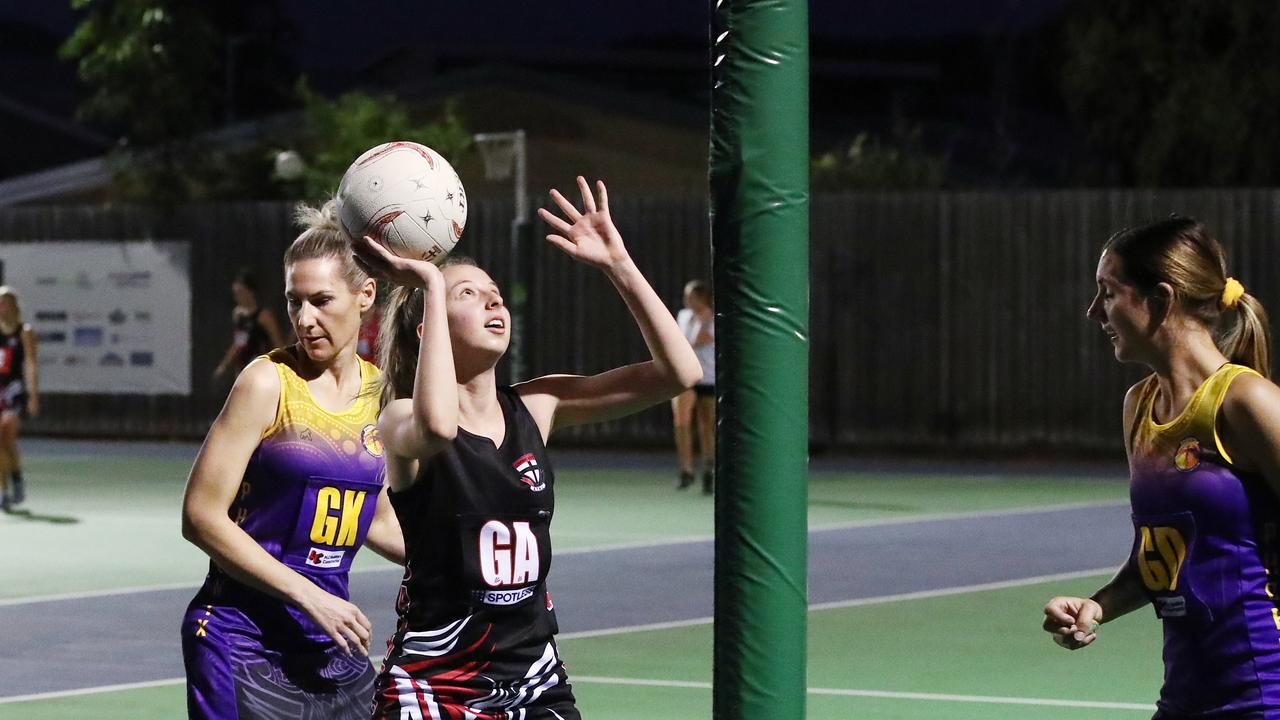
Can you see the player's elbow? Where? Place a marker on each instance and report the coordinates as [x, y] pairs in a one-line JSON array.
[[195, 526], [674, 380], [190, 528], [437, 431], [687, 376]]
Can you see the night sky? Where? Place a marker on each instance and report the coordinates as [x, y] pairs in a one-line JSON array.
[[339, 45], [344, 34]]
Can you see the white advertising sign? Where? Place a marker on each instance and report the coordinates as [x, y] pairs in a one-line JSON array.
[[109, 317]]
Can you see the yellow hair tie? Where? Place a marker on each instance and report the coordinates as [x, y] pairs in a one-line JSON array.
[[1232, 292]]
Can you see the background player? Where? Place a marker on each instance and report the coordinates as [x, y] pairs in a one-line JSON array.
[[285, 490], [19, 393], [471, 481], [1203, 439], [254, 327], [696, 408]]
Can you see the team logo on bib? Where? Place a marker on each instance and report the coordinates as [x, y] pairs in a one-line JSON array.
[[1188, 456], [325, 558], [372, 443], [530, 473]]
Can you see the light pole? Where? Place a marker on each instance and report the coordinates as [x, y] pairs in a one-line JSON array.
[[504, 155]]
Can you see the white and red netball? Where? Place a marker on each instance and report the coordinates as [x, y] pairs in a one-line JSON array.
[[406, 196]]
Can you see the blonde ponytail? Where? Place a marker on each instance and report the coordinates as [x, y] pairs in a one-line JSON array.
[[398, 342], [1247, 339]]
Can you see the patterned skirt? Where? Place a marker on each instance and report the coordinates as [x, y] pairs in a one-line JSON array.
[[471, 668]]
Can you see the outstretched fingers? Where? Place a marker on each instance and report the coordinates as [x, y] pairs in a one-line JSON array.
[[566, 207], [588, 200], [554, 221], [563, 243], [604, 196]]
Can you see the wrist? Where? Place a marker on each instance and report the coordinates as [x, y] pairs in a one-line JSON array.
[[620, 267], [430, 276], [1102, 609], [300, 591]]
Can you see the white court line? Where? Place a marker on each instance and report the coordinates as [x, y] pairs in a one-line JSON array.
[[89, 594], [971, 514], [940, 592], [637, 545], [644, 682], [91, 690], [842, 692], [876, 600], [374, 659]]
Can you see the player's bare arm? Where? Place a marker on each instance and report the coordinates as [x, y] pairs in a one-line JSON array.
[[1249, 426], [31, 371], [559, 401], [421, 426], [211, 488], [384, 536], [1072, 621]]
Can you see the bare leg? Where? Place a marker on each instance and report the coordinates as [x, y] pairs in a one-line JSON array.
[[9, 437], [8, 434], [707, 439], [682, 419]]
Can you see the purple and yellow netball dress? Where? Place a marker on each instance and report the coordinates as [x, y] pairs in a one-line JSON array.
[[1205, 548], [308, 497]]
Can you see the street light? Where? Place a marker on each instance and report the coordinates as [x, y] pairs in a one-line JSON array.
[[504, 155]]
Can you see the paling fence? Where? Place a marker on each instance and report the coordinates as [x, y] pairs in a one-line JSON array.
[[942, 320]]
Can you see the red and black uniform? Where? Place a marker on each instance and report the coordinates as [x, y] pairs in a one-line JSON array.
[[475, 638], [249, 335], [13, 385]]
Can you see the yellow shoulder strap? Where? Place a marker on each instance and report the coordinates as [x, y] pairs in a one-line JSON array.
[[1214, 396], [282, 361], [1142, 409]]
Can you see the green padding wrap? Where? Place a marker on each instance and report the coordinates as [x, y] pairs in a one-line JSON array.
[[760, 236]]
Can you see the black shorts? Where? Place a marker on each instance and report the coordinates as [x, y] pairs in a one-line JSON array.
[[704, 391], [13, 399]]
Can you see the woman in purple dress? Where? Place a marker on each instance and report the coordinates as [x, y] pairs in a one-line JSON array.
[[286, 489], [1202, 434]]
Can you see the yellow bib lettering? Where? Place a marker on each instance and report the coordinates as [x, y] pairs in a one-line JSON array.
[[1160, 557], [352, 502], [325, 525]]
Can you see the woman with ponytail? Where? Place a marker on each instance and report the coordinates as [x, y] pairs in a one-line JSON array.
[[285, 491], [470, 478], [1202, 434]]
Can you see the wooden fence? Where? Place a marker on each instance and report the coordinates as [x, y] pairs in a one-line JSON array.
[[942, 320]]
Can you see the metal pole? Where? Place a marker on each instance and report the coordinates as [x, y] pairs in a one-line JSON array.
[[519, 290], [522, 190], [760, 237]]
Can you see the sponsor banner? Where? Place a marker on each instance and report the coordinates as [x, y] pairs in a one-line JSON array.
[[503, 597], [116, 314], [325, 558]]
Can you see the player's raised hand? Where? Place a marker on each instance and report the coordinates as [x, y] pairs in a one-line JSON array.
[[340, 620], [379, 262], [590, 235], [1072, 621]]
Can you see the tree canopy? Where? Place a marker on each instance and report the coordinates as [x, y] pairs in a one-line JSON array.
[[1178, 92]]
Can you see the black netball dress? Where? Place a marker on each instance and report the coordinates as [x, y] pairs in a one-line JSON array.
[[475, 637]]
